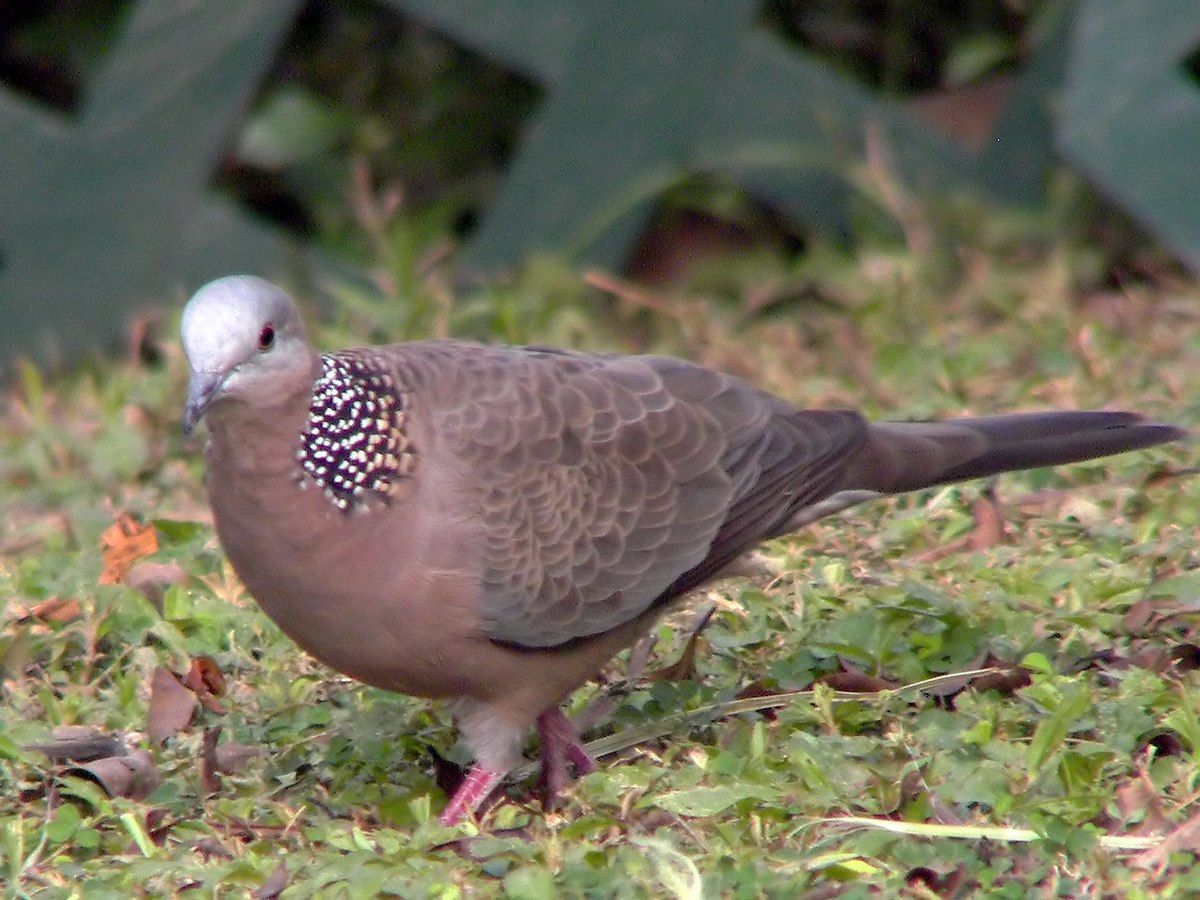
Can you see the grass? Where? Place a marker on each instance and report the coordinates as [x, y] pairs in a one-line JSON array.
[[1078, 778]]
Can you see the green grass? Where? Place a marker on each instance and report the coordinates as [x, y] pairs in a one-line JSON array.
[[1055, 788]]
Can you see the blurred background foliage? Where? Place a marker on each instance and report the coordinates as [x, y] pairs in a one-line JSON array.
[[380, 141], [360, 90]]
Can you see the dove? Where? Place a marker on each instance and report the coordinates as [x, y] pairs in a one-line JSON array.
[[489, 525]]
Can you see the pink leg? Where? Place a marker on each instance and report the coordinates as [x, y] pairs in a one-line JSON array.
[[476, 788], [560, 744]]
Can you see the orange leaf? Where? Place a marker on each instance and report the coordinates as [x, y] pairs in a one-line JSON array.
[[989, 521], [54, 609], [123, 543], [204, 679]]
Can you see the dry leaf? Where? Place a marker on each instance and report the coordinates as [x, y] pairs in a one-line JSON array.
[[134, 775], [123, 543], [55, 609], [171, 706], [274, 885], [205, 680], [853, 681], [756, 689], [79, 743], [152, 579], [927, 882], [1139, 615], [210, 847], [1151, 657], [210, 778], [1011, 679], [989, 521], [937, 554], [988, 530], [232, 758], [914, 785], [1137, 795], [1163, 474], [639, 656], [1185, 837], [684, 668]]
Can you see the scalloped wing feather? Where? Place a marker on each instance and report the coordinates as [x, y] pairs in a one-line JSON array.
[[605, 485]]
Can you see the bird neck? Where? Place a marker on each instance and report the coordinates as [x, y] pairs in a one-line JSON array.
[[246, 435]]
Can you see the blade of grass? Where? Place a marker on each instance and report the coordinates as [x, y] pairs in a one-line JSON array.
[[702, 715], [977, 832]]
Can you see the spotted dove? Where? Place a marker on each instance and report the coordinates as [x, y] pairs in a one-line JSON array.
[[489, 525]]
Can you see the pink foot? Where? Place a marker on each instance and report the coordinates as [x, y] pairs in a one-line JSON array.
[[560, 745], [476, 787]]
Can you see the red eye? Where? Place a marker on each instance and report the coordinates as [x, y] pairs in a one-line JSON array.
[[266, 337]]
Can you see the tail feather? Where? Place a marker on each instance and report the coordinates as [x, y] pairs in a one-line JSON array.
[[909, 456]]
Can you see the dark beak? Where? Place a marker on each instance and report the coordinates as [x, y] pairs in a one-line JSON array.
[[201, 390]]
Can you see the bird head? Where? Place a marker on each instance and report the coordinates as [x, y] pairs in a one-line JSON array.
[[243, 338]]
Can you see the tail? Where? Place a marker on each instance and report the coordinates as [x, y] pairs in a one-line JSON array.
[[908, 456]]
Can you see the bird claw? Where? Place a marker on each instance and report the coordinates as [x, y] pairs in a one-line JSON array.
[[560, 746], [475, 788]]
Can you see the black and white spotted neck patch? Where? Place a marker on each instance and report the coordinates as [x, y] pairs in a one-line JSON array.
[[356, 443]]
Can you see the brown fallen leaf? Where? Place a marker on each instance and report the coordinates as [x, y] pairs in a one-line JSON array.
[[988, 530], [274, 885], [1151, 656], [684, 668], [158, 824], [989, 520], [204, 679], [756, 689], [1046, 503], [1154, 614], [927, 882], [1009, 680], [210, 777], [1185, 837], [232, 758], [639, 656], [171, 706], [1139, 615], [210, 847], [133, 776], [1137, 797], [945, 551], [852, 681], [123, 543], [52, 609], [79, 743], [914, 785], [152, 579], [1163, 474]]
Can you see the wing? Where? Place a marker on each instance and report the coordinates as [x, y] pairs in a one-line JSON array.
[[605, 485]]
